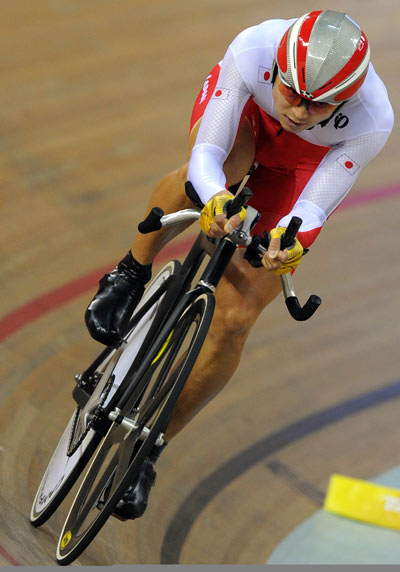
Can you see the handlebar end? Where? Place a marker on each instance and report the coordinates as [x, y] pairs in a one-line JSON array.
[[152, 222], [289, 236], [303, 313]]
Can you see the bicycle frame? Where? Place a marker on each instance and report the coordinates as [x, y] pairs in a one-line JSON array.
[[177, 298], [177, 288]]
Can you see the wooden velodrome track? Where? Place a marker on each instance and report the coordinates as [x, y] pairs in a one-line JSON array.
[[94, 109]]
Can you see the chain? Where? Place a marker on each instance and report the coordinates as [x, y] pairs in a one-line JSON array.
[[95, 416]]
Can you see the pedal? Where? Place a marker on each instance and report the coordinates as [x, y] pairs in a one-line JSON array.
[[80, 396]]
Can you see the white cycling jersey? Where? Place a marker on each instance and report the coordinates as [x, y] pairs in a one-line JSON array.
[[355, 133]]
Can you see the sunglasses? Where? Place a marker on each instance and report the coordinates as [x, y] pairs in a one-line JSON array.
[[295, 99]]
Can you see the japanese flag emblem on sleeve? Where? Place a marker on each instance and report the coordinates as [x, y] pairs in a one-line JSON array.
[[348, 164], [221, 93], [264, 75]]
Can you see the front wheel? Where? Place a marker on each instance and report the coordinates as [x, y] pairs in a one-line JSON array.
[[138, 426]]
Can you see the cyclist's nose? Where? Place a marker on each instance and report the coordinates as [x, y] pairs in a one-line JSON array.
[[301, 111]]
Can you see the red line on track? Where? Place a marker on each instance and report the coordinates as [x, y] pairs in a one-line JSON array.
[[8, 557], [370, 196], [40, 306], [33, 310]]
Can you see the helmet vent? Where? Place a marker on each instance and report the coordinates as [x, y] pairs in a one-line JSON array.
[[333, 41]]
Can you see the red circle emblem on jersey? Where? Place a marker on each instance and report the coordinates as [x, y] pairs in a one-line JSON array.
[[218, 93], [349, 164], [267, 75]]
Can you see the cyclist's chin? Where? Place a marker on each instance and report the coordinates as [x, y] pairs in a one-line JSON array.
[[292, 126]]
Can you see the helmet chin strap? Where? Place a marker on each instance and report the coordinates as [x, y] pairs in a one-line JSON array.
[[274, 71]]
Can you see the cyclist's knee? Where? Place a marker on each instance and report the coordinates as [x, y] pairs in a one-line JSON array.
[[241, 297], [236, 316], [239, 322], [181, 173]]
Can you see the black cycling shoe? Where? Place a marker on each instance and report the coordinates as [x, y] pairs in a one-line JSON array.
[[135, 499], [108, 314]]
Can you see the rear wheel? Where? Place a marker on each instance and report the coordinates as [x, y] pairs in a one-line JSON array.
[[62, 471], [79, 440], [137, 427]]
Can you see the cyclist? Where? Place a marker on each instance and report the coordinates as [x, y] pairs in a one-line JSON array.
[[300, 101]]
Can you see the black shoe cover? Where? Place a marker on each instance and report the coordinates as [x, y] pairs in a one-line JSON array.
[[134, 502], [108, 314]]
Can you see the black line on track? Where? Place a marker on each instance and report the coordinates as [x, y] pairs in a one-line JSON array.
[[198, 499], [296, 481]]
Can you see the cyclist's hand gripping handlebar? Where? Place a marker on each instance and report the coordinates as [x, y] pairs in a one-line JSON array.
[[153, 220], [223, 213], [234, 206], [289, 236], [299, 313]]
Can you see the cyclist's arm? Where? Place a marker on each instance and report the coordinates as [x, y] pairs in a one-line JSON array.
[[332, 181], [218, 130]]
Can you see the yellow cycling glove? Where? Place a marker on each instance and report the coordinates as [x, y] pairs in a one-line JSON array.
[[295, 253], [213, 207]]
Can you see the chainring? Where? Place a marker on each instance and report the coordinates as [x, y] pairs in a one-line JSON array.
[[91, 413]]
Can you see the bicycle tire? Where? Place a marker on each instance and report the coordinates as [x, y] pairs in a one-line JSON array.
[[121, 453], [63, 469]]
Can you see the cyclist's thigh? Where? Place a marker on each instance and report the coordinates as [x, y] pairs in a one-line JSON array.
[[244, 292]]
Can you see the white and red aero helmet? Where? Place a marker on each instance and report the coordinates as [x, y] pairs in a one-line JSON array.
[[324, 56]]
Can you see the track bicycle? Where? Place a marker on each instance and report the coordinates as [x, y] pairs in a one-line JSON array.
[[126, 397]]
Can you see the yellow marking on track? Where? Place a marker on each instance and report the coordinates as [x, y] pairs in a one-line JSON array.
[[364, 501]]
